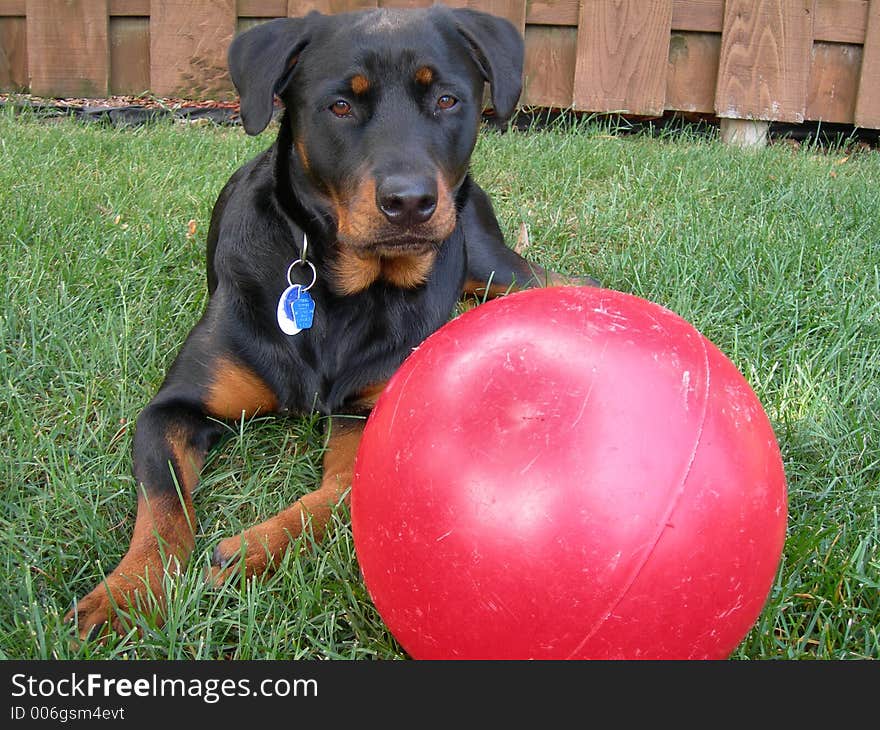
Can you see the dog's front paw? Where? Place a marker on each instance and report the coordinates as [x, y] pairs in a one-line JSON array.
[[225, 561], [105, 609], [253, 552], [227, 552]]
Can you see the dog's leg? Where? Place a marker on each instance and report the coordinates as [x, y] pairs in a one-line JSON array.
[[169, 448], [259, 548], [172, 437], [495, 269]]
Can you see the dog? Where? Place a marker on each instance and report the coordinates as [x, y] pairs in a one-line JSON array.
[[330, 257]]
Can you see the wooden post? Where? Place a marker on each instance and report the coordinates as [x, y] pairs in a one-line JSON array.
[[67, 47], [744, 132]]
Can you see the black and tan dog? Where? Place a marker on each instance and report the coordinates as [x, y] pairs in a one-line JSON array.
[[362, 216]]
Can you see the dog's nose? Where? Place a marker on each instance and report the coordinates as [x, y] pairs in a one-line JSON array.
[[407, 201]]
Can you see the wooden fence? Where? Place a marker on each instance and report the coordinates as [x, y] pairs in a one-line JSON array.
[[780, 60]]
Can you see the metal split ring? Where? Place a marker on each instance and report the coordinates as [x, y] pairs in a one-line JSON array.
[[302, 262]]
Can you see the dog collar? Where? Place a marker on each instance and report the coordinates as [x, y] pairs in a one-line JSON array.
[[296, 308]]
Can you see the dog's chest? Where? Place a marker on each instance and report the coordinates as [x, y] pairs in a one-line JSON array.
[[356, 342], [354, 273]]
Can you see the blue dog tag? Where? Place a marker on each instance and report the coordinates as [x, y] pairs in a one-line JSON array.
[[303, 310], [296, 310]]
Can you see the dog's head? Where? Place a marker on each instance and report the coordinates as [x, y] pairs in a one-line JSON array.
[[384, 107]]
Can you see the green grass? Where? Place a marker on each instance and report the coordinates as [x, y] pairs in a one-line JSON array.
[[774, 255]]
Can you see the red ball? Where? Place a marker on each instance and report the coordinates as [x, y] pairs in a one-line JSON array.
[[568, 473]]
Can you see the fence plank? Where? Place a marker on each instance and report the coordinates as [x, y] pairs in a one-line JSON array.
[[765, 53], [139, 8], [693, 71], [513, 10], [834, 79], [188, 44], [262, 8], [13, 53], [706, 16], [867, 112], [328, 7], [551, 57], [552, 12], [840, 21], [623, 49], [129, 55], [15, 8], [67, 46], [694, 15], [405, 3], [785, 60]]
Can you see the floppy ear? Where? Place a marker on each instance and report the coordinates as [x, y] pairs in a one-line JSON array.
[[498, 49], [260, 63]]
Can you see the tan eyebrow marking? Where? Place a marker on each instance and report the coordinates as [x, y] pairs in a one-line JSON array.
[[360, 84]]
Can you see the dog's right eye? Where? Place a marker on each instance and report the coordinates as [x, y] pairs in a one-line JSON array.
[[341, 108]]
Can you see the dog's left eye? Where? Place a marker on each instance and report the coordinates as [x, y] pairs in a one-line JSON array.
[[446, 102], [341, 108]]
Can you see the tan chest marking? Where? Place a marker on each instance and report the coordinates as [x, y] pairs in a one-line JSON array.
[[355, 273]]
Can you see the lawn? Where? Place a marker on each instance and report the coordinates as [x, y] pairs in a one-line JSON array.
[[773, 254]]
